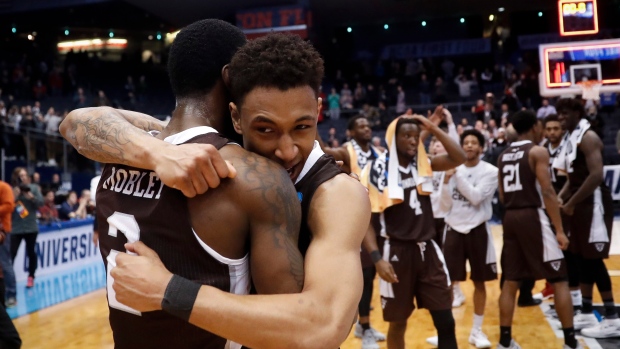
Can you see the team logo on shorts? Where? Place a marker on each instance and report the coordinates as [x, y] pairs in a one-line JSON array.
[[599, 246], [383, 303], [556, 265], [394, 258], [494, 267]]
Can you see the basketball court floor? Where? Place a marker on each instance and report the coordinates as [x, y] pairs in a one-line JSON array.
[[70, 311]]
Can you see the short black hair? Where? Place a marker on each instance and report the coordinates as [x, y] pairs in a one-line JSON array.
[[523, 121], [572, 104], [405, 121], [282, 61], [475, 133], [551, 118], [198, 54], [353, 120]]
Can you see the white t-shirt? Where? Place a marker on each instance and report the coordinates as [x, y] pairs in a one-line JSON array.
[[472, 190]]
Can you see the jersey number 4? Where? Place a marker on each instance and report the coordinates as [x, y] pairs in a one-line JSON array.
[[414, 203], [127, 225], [512, 181]]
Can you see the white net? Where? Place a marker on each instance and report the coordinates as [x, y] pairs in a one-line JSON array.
[[590, 90]]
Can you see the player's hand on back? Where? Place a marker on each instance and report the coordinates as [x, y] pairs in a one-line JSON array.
[[140, 281], [386, 271], [192, 168], [568, 209]]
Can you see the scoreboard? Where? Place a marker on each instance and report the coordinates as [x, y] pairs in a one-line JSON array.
[[577, 17]]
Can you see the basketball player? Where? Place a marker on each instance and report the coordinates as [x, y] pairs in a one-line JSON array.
[[355, 155], [275, 108], [468, 236], [555, 139], [531, 248], [214, 239], [412, 265], [585, 193]]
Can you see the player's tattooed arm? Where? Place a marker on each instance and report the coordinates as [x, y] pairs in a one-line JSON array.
[[108, 135], [275, 217]]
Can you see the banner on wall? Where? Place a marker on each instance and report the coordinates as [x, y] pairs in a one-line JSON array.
[[67, 246], [437, 49], [612, 179], [287, 19]]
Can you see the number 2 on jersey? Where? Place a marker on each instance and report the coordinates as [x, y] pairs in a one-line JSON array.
[[127, 225], [512, 180]]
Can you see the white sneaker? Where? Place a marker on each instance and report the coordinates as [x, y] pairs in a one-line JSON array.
[[459, 297], [513, 345], [478, 338], [605, 329], [582, 321], [434, 341], [369, 341], [378, 335]]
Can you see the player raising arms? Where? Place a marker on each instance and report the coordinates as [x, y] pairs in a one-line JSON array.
[[531, 248], [274, 81]]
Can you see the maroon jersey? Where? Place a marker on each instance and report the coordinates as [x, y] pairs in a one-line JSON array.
[[321, 168], [412, 220], [133, 204], [519, 182]]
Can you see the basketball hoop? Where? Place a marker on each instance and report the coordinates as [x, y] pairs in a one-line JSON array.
[[590, 89]]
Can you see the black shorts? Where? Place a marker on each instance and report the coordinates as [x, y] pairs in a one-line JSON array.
[[591, 225], [475, 246], [440, 227], [531, 250], [422, 275]]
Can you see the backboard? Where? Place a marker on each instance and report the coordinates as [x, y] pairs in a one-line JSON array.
[[565, 64]]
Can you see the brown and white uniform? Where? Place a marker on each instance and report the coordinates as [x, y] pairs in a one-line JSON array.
[[531, 250]]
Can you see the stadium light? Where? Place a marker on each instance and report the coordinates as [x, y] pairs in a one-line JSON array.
[[349, 30], [424, 23], [66, 31], [14, 30], [501, 9], [540, 14], [150, 37], [462, 20], [158, 36], [386, 27], [491, 18], [111, 34]]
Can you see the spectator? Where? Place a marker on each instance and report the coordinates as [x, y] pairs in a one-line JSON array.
[[346, 97], [332, 135], [510, 100], [55, 184], [505, 115], [334, 105], [360, 95], [372, 96], [39, 90], [425, 90], [546, 109], [72, 208], [48, 211], [488, 113], [376, 142], [7, 205], [24, 220], [401, 105], [90, 202], [101, 100], [384, 115], [372, 115], [129, 85], [464, 86]]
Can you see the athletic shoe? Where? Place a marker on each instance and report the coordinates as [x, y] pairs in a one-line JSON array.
[[605, 329], [513, 345], [434, 341], [546, 293], [582, 321], [30, 282], [378, 335], [459, 297], [529, 302], [479, 339], [578, 346], [369, 341], [10, 302]]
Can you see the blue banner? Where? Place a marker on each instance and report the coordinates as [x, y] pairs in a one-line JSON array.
[[437, 49], [612, 179]]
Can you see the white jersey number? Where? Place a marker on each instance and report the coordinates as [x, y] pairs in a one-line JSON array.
[[414, 203], [512, 181], [127, 225]]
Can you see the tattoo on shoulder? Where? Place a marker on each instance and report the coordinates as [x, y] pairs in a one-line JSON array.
[[279, 202]]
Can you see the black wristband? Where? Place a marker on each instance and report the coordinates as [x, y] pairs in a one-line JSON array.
[[179, 297], [375, 256]]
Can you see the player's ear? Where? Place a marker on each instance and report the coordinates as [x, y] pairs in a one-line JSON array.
[[319, 107], [236, 117], [225, 76]]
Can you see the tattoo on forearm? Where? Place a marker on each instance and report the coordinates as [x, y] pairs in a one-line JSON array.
[[104, 136], [280, 204]]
